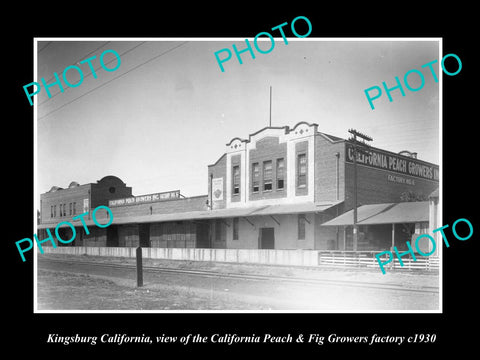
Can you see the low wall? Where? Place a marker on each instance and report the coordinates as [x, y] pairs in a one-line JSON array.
[[253, 256], [344, 259]]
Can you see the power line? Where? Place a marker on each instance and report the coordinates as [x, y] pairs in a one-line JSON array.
[[84, 57], [43, 102], [109, 81], [48, 43]]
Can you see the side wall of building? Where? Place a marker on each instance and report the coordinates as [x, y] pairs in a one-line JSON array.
[[108, 188], [267, 149], [285, 232], [327, 237], [161, 207], [329, 169], [71, 199], [217, 173], [374, 186]]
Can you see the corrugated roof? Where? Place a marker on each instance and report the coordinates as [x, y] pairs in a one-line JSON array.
[[386, 213], [210, 214], [294, 208]]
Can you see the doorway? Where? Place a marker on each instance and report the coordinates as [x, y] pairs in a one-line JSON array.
[[112, 236], [144, 235], [203, 235], [267, 238]]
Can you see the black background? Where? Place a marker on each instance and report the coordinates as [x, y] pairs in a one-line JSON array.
[[25, 331]]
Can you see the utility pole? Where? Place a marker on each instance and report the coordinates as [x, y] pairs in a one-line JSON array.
[[358, 147]]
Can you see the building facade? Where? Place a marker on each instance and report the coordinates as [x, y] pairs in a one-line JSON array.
[[274, 190], [299, 178]]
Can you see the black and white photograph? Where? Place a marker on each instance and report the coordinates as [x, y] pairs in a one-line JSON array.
[[266, 185]]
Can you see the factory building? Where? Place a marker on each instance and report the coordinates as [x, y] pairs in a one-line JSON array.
[[280, 188]]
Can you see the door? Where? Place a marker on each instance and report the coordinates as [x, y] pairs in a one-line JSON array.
[[267, 238], [66, 234], [112, 236], [203, 237], [144, 235]]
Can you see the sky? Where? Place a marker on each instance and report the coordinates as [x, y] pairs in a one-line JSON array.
[[168, 111]]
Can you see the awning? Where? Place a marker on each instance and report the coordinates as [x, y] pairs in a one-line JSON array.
[[189, 215], [307, 207], [387, 213]]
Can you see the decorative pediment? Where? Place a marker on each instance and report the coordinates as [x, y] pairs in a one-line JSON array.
[[283, 134], [303, 129], [236, 144]]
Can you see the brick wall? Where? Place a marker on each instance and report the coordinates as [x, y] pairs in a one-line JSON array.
[[374, 187], [301, 148], [109, 188], [161, 207], [326, 169], [218, 170], [267, 149], [65, 196], [235, 160], [326, 237]]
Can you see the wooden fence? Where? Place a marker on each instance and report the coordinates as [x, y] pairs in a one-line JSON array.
[[367, 259]]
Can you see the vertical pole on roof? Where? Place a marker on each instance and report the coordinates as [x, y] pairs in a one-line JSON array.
[[270, 117]]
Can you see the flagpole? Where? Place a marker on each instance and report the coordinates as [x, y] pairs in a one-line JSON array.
[[270, 120]]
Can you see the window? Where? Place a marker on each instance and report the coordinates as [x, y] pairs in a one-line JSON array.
[[60, 209], [301, 226], [280, 173], [55, 211], [51, 211], [70, 208], [302, 170], [236, 180], [64, 209], [235, 228], [74, 208], [255, 177], [267, 175]]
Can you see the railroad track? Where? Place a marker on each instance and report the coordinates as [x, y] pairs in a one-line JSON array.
[[229, 275]]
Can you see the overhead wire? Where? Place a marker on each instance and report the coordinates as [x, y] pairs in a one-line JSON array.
[[117, 77], [87, 75], [83, 57], [48, 44]]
